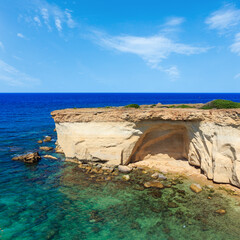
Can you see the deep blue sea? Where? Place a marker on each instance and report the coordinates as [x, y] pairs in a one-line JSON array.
[[53, 200]]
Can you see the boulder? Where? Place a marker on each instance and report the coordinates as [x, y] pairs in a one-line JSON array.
[[124, 169], [39, 141], [220, 211], [196, 188], [157, 175], [126, 177], [50, 157], [47, 139], [153, 184], [28, 158], [44, 148], [58, 149]]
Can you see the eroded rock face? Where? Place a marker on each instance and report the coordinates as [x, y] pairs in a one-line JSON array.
[[208, 139], [28, 158]]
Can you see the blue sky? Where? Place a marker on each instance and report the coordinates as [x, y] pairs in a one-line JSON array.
[[119, 46]]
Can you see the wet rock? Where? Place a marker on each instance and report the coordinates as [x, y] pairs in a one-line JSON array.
[[47, 139], [135, 225], [59, 150], [153, 184], [54, 129], [107, 169], [196, 188], [159, 176], [39, 141], [172, 205], [50, 157], [95, 217], [220, 211], [44, 148], [126, 177], [156, 194], [124, 169], [28, 158]]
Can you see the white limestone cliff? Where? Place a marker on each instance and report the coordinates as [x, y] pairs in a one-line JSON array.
[[208, 139]]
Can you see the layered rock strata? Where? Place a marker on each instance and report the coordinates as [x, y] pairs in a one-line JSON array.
[[208, 139]]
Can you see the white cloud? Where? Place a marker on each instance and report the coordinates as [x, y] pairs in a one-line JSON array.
[[224, 19], [20, 35], [70, 21], [50, 15], [58, 24], [153, 50], [14, 77], [175, 21], [37, 20], [235, 47], [45, 15], [1, 46]]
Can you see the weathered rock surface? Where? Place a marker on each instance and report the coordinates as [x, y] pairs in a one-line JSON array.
[[124, 169], [208, 139], [47, 139], [44, 148], [196, 188], [153, 184], [28, 158], [50, 157]]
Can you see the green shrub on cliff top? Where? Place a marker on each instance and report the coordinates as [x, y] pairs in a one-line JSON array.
[[133, 105], [221, 104]]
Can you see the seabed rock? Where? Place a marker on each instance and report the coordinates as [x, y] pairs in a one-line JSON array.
[[196, 188], [124, 169], [28, 158], [220, 211], [126, 177], [40, 141], [47, 139], [154, 184], [50, 157], [158, 176], [44, 148]]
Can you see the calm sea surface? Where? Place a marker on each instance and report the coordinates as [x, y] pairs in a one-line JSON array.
[[55, 200]]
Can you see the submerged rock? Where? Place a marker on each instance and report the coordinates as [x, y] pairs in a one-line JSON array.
[[28, 158], [154, 184], [47, 139], [158, 176], [220, 211], [44, 148], [126, 177], [39, 141], [124, 169], [196, 188], [50, 157]]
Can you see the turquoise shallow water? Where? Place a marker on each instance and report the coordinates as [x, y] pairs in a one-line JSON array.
[[60, 201], [56, 200]]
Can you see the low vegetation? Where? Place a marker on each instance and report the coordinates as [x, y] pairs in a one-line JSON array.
[[133, 105], [221, 104]]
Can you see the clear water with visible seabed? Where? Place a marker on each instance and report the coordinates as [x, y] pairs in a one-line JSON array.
[[56, 200]]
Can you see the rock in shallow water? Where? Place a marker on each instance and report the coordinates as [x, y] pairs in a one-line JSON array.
[[126, 177], [158, 176], [124, 169], [47, 139], [44, 148], [28, 158], [50, 157], [154, 184], [196, 188], [220, 211]]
